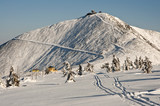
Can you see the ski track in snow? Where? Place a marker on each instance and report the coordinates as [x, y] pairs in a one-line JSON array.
[[99, 85], [139, 99], [130, 96]]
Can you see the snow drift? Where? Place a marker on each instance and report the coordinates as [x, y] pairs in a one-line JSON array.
[[88, 38]]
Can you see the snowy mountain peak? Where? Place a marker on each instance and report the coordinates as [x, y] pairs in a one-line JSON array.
[[90, 38]]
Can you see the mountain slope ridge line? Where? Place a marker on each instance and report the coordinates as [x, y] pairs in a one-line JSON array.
[[147, 41]]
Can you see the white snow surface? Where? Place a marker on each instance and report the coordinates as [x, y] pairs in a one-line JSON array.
[[86, 39], [124, 88]]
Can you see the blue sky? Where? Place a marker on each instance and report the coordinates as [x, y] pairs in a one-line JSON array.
[[19, 16]]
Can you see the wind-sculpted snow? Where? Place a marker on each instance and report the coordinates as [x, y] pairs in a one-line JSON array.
[[86, 39]]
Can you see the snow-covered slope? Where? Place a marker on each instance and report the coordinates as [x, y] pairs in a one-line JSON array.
[[88, 38]]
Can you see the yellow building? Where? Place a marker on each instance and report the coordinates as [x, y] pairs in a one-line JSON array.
[[52, 69], [35, 70]]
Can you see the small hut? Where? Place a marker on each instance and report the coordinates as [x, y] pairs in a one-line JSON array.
[[52, 69], [35, 70]]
